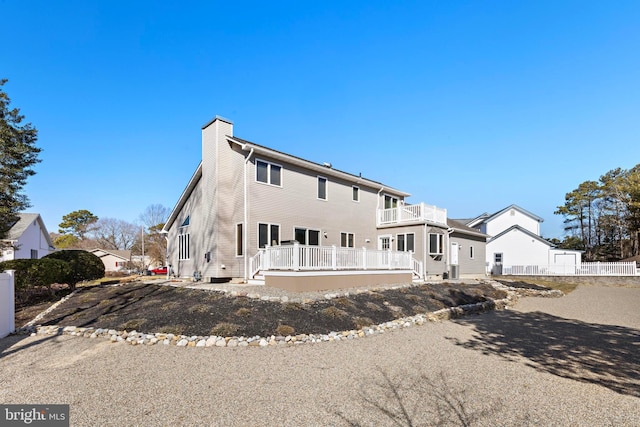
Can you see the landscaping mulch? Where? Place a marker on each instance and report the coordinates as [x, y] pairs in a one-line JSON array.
[[155, 308]]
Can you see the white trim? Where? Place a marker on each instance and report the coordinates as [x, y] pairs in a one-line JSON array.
[[333, 272]]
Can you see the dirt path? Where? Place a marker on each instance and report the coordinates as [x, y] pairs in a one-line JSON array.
[[510, 366]]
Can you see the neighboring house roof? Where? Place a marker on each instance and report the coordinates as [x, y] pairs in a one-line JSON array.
[[486, 217], [24, 221], [459, 227], [123, 254], [525, 231]]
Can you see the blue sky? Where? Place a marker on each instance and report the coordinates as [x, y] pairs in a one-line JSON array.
[[467, 105]]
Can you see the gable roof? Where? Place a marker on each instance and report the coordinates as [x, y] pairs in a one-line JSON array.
[[485, 217], [525, 231], [24, 221], [186, 193], [123, 254], [459, 227]]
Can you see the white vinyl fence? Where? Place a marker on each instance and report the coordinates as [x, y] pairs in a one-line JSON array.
[[582, 269], [7, 303]]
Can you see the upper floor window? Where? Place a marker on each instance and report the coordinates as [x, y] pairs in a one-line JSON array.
[[390, 202], [322, 188], [186, 221], [269, 173], [471, 252], [355, 194]]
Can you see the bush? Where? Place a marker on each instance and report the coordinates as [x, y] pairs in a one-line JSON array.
[[21, 276], [37, 272], [84, 265]]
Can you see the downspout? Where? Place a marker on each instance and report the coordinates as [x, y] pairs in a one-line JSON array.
[[245, 228], [378, 207]]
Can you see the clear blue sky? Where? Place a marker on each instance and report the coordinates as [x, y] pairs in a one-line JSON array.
[[468, 105]]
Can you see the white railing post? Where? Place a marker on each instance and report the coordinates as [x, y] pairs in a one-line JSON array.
[[389, 257], [364, 258], [334, 257], [267, 257], [296, 256]]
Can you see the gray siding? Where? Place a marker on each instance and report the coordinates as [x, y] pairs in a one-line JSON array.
[[471, 266]]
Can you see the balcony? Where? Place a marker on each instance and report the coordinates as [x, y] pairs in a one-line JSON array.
[[403, 214]]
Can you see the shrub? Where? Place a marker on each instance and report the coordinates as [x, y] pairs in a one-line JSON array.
[[225, 329], [37, 272], [84, 265], [21, 276], [285, 330]]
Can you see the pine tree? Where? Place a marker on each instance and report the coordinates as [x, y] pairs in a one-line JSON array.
[[18, 155]]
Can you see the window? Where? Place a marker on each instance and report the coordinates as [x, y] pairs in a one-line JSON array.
[[305, 236], [34, 254], [186, 221], [322, 188], [405, 242], [355, 194], [268, 173], [347, 240], [497, 258], [239, 240], [436, 244], [183, 246], [268, 234], [471, 252], [390, 202]]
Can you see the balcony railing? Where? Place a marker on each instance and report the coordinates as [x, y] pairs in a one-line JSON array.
[[298, 257], [412, 213]]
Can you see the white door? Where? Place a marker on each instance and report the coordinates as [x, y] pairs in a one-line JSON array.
[[454, 253], [384, 243]]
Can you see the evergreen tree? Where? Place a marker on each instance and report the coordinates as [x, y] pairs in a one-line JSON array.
[[18, 155]]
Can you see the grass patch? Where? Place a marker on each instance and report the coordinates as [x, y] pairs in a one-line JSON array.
[[243, 312], [225, 329], [333, 312], [285, 330]]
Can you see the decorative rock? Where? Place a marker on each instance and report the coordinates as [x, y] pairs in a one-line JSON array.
[[182, 343], [201, 343]]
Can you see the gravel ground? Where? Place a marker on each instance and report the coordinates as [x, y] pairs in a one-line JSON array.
[[571, 361]]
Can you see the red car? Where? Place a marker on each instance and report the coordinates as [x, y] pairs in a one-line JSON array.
[[159, 270]]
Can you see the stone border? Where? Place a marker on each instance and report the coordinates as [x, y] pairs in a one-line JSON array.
[[140, 338]]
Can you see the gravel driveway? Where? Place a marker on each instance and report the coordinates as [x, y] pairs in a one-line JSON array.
[[571, 361]]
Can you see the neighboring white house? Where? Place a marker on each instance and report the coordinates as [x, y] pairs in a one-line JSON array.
[[515, 241], [28, 238], [113, 260]]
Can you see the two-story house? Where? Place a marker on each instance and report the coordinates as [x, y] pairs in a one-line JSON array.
[[253, 212], [515, 242]]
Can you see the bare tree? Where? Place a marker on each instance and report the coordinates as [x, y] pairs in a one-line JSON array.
[[154, 218], [114, 233]]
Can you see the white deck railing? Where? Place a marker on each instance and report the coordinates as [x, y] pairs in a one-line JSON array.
[[412, 213], [298, 257], [582, 269]]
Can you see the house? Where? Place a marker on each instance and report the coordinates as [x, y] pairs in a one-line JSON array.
[[515, 242], [27, 238], [251, 213], [113, 260]]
